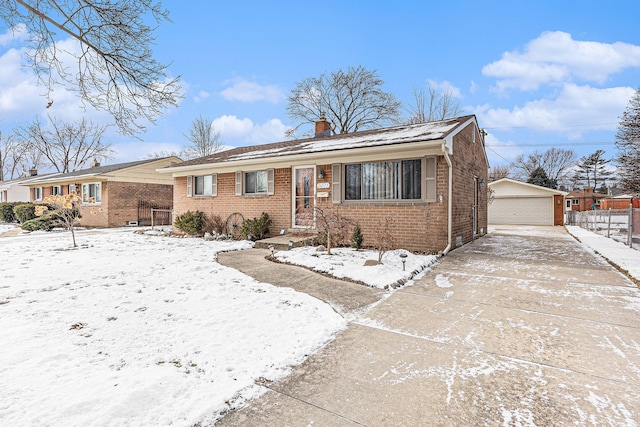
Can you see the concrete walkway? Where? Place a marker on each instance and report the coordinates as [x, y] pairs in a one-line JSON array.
[[521, 327], [347, 299]]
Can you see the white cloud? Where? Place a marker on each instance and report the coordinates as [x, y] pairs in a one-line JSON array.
[[246, 91], [201, 96], [246, 131], [555, 57], [576, 110], [445, 87], [22, 96], [17, 33]]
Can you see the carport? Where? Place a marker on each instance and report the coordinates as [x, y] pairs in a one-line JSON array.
[[519, 203]]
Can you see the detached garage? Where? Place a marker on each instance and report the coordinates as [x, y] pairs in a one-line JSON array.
[[519, 203]]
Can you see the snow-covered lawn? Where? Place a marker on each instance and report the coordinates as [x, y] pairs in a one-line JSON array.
[[349, 263], [134, 329], [6, 227], [623, 256]]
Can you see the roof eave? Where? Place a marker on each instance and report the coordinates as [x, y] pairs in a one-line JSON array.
[[333, 156]]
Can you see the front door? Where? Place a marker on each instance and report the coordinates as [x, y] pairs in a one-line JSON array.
[[304, 199]]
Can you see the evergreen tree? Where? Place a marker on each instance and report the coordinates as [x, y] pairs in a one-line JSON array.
[[592, 170], [628, 144], [539, 177]]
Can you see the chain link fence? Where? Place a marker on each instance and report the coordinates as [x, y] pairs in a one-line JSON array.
[[622, 225]]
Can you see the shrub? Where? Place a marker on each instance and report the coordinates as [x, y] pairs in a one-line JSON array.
[[24, 212], [215, 224], [357, 238], [256, 228], [191, 223], [6, 211], [44, 222]]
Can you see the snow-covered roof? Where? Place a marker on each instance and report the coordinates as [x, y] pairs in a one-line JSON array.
[[525, 185], [90, 172], [432, 131]]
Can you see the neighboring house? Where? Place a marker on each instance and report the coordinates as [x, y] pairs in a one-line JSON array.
[[112, 195], [622, 201], [584, 200], [13, 191], [429, 179], [520, 203]]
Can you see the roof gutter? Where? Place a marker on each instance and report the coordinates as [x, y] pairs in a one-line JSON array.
[[449, 202]]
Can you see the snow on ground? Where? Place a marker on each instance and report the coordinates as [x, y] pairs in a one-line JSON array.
[[6, 227], [623, 256], [132, 329], [349, 263]]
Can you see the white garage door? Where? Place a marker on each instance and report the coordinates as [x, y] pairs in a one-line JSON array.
[[522, 211]]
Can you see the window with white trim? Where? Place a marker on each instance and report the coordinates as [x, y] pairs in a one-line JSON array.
[[37, 193], [72, 188], [92, 193], [56, 190], [575, 201], [202, 185], [255, 182]]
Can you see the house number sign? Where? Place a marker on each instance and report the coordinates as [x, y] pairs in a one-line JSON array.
[[323, 185]]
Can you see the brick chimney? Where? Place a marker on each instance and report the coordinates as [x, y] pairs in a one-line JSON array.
[[94, 164], [33, 172], [323, 127]]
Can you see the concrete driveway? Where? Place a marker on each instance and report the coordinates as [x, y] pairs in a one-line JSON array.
[[522, 327]]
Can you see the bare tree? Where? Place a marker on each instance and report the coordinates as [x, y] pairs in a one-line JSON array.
[[432, 106], [350, 101], [332, 225], [114, 67], [162, 154], [628, 145], [205, 140], [498, 172], [67, 146], [11, 157], [555, 162]]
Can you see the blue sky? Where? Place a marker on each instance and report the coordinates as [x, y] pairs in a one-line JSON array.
[[537, 74]]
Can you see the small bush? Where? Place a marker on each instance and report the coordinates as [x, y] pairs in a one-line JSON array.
[[6, 211], [44, 222], [191, 223], [214, 224], [24, 212], [256, 228], [357, 238]]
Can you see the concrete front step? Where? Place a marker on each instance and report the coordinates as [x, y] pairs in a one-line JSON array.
[[284, 242]]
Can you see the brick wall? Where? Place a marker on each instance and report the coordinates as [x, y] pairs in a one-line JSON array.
[[278, 206], [123, 198], [468, 162]]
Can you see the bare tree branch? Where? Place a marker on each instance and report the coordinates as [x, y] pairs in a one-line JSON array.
[[628, 145], [555, 162], [205, 140], [67, 146], [115, 69], [350, 101], [433, 106]]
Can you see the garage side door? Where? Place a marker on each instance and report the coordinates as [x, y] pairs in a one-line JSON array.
[[522, 211]]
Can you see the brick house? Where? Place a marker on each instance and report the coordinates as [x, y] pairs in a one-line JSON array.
[[113, 195], [428, 178], [583, 200]]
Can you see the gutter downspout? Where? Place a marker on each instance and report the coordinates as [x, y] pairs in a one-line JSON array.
[[449, 201]]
